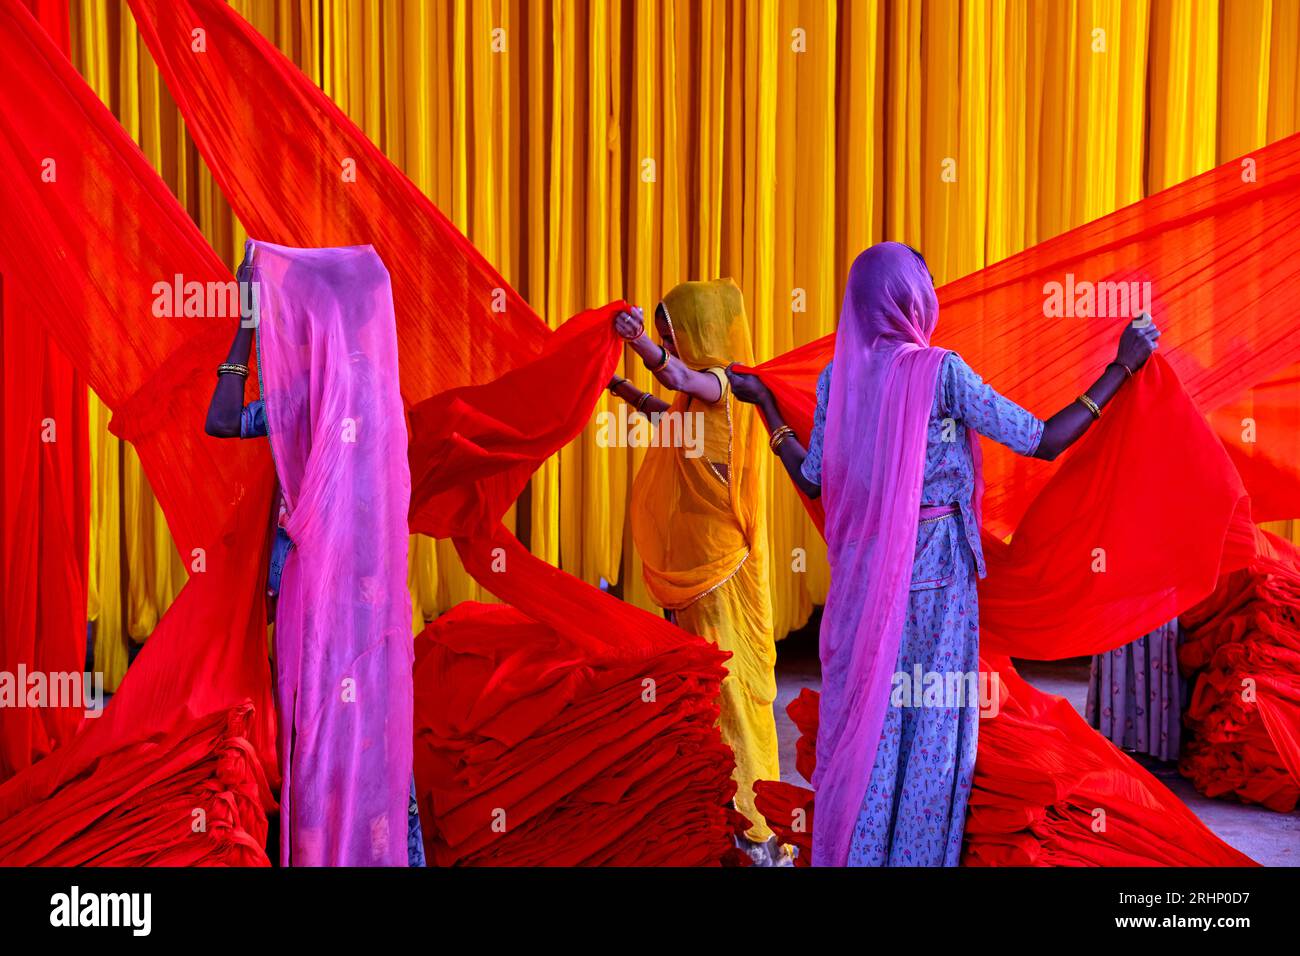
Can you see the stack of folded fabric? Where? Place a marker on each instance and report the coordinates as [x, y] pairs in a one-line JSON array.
[[536, 748], [1048, 791], [1242, 649]]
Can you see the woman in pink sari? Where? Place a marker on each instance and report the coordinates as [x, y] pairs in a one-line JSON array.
[[331, 409], [895, 456]]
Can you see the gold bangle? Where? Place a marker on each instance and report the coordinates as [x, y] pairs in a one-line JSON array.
[[613, 386], [640, 402], [662, 365], [1089, 404], [232, 368], [778, 436], [1127, 371]]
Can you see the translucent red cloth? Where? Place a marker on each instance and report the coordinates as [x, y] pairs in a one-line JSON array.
[[205, 666], [1150, 486], [180, 737], [45, 506]]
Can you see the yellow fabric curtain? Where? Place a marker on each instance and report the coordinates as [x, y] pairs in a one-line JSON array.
[[598, 149]]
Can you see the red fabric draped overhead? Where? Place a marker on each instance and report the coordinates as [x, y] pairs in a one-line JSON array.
[[1220, 252], [298, 172], [196, 700], [1150, 491]]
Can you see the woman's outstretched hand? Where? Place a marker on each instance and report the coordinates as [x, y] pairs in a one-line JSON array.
[[1137, 342], [629, 324], [746, 387]]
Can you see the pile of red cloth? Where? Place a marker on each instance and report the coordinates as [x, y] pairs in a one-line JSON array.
[[1242, 650], [537, 748], [1048, 791]]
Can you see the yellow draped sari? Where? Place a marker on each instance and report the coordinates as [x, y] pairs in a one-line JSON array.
[[702, 533]]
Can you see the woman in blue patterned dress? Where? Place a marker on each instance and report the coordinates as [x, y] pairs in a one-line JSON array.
[[912, 809]]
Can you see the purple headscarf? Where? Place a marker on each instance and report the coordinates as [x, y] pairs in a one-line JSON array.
[[873, 464], [327, 356]]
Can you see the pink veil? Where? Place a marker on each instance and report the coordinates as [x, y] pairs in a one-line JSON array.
[[327, 358], [882, 390]]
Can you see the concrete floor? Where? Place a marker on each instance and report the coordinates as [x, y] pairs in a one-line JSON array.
[[1272, 839]]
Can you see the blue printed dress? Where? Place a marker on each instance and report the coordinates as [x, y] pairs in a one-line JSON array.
[[914, 810]]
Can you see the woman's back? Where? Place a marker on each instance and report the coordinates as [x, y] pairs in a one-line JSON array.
[[962, 400]]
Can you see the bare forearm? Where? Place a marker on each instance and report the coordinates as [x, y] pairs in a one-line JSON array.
[[673, 373], [228, 396], [791, 451], [641, 401], [1069, 424]]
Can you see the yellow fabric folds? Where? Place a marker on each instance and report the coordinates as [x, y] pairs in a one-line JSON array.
[[700, 528]]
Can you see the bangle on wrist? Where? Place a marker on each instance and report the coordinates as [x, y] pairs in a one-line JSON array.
[[1127, 371], [778, 436], [613, 386], [1086, 400], [663, 363]]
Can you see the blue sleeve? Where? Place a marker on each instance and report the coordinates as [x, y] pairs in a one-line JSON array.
[[812, 463], [252, 420], [981, 407]]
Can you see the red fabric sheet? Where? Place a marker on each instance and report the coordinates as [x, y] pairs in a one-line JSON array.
[[298, 172], [1221, 255], [46, 506], [205, 665], [86, 263]]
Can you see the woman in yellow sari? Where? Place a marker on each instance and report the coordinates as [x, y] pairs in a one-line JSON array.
[[699, 517]]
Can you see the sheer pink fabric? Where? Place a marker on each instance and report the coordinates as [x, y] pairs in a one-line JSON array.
[[327, 353], [872, 470]]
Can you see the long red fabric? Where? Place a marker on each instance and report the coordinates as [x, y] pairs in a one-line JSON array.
[[191, 727], [200, 690], [45, 519], [280, 152]]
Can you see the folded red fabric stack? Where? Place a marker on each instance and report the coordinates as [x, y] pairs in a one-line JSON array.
[[1242, 650], [1048, 791], [536, 748], [195, 796]]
